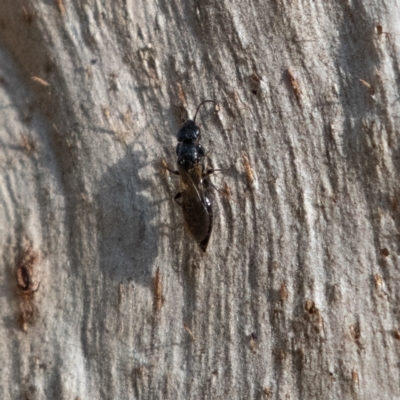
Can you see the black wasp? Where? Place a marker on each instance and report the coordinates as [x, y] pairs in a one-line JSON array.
[[196, 206]]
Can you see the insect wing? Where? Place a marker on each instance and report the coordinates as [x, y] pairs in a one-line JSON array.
[[193, 189], [196, 206]]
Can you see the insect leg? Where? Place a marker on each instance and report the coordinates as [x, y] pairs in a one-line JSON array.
[[177, 197], [165, 167], [207, 183], [205, 176], [172, 171], [210, 171]]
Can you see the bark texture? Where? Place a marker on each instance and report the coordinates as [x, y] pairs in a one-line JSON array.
[[103, 294]]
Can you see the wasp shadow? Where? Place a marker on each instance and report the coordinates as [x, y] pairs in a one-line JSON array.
[[127, 242]]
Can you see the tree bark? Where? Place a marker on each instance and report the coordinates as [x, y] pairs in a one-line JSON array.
[[103, 293]]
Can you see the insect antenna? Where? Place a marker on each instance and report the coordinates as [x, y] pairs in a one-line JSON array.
[[205, 101]]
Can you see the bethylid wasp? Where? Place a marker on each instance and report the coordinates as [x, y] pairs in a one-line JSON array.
[[192, 197]]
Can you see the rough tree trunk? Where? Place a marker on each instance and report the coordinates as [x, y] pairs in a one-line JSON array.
[[298, 294]]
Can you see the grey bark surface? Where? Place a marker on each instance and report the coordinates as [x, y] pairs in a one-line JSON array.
[[298, 294]]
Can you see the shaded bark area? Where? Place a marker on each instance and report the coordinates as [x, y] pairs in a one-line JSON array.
[[297, 295]]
